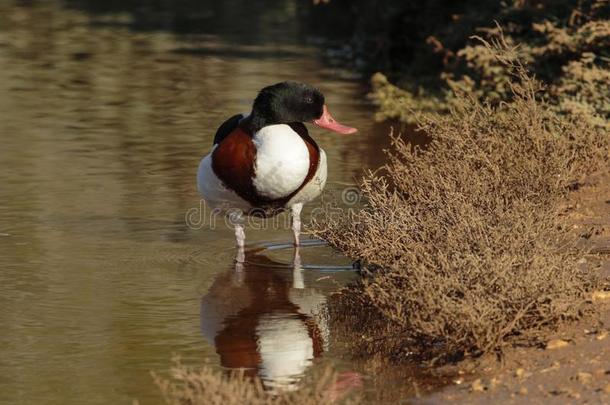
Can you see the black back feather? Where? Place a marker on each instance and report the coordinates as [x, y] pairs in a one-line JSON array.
[[226, 128]]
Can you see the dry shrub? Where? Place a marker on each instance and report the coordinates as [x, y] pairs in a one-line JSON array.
[[460, 241], [566, 43], [572, 59], [394, 102], [207, 386]]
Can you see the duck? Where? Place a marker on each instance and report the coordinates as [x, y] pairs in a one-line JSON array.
[[265, 162]]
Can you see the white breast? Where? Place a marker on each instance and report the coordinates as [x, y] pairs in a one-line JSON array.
[[315, 186], [282, 161]]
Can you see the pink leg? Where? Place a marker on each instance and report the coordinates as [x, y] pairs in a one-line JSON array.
[[296, 223]]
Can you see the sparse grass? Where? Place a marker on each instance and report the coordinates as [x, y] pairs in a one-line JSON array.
[[461, 242], [207, 386]]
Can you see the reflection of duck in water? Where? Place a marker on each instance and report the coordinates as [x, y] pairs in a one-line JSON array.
[[261, 317]]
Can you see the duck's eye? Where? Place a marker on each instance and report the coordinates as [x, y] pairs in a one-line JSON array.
[[309, 100]]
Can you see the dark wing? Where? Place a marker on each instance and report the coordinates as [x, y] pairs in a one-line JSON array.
[[227, 127], [233, 163]]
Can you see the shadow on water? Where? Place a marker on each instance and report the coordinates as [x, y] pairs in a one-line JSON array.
[[236, 52], [246, 22]]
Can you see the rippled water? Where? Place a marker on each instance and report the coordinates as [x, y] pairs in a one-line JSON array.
[[105, 114]]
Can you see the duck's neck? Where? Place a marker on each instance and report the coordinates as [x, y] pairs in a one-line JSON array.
[[250, 125], [256, 121]]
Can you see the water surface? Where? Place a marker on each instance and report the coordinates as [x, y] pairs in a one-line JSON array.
[[106, 109]]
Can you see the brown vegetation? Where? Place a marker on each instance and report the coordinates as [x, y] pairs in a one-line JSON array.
[[205, 385], [426, 48], [460, 242]]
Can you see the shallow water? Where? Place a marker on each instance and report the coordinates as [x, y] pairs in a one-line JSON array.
[[106, 109]]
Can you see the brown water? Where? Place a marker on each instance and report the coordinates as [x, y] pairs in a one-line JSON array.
[[103, 120]]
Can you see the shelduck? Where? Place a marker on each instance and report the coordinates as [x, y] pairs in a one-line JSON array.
[[266, 162]]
